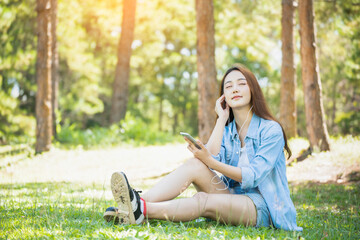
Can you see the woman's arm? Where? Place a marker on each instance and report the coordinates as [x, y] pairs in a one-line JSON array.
[[205, 156], [272, 144], [227, 170], [214, 142]]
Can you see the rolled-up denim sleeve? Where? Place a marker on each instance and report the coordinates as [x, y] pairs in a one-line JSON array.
[[221, 155], [271, 146]]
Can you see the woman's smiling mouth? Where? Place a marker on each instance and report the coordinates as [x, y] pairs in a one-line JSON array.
[[236, 97]]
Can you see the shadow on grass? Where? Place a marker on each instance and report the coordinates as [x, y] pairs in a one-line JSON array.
[[68, 210], [51, 209], [328, 210]]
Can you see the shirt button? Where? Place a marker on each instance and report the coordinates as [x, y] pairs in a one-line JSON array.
[[237, 152]]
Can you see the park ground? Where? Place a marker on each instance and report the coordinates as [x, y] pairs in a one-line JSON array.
[[62, 194]]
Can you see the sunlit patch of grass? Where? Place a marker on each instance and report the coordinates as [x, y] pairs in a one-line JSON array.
[[298, 144], [331, 211], [67, 210], [344, 148]]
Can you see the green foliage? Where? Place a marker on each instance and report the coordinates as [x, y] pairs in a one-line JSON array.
[[17, 68], [132, 130], [138, 131], [15, 126], [71, 211], [163, 76], [339, 60], [81, 74], [349, 122]]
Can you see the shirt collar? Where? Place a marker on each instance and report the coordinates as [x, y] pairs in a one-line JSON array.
[[252, 130]]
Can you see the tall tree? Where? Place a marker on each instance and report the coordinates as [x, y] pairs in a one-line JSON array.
[[288, 80], [54, 64], [315, 122], [121, 82], [207, 84], [43, 77]]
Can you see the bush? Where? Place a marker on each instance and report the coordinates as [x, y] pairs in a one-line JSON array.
[[15, 126], [131, 130]]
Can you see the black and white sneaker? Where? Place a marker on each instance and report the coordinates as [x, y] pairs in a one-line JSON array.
[[111, 215], [128, 200]]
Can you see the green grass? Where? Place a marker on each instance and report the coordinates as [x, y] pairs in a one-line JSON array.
[[68, 211]]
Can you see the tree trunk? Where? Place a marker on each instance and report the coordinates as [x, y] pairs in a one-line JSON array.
[[54, 64], [315, 123], [43, 77], [288, 80], [121, 82], [175, 124], [207, 84], [333, 113]]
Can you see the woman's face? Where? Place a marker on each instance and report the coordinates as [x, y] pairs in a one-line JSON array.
[[236, 90]]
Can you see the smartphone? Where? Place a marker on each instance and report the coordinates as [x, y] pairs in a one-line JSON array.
[[189, 137], [223, 104]]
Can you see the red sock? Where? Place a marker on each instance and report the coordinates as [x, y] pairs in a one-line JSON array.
[[143, 206]]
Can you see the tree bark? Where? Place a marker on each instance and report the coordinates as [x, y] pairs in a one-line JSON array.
[[43, 77], [315, 123], [54, 64], [207, 84], [333, 113], [121, 82], [175, 124], [288, 80]]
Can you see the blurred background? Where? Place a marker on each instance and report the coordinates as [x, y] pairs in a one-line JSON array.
[[163, 78]]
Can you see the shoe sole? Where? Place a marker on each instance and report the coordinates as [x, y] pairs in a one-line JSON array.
[[111, 217], [120, 191], [116, 217]]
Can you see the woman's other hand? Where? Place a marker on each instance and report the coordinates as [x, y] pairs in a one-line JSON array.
[[220, 111], [202, 154]]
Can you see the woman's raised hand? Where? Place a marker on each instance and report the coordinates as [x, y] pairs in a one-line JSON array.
[[222, 113], [202, 154]]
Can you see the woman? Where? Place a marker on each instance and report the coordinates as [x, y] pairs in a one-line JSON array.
[[246, 147]]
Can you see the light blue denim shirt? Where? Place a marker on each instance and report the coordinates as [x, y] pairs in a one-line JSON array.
[[265, 149]]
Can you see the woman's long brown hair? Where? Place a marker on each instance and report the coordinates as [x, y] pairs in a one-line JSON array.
[[258, 101]]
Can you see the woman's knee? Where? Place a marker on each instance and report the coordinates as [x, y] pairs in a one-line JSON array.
[[196, 165], [208, 204], [201, 198]]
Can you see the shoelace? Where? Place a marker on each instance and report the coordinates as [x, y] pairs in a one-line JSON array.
[[137, 190]]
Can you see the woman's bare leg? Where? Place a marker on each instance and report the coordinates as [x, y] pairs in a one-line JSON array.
[[193, 171], [227, 208]]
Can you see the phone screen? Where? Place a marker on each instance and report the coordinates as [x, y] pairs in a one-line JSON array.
[[189, 137], [223, 104]]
